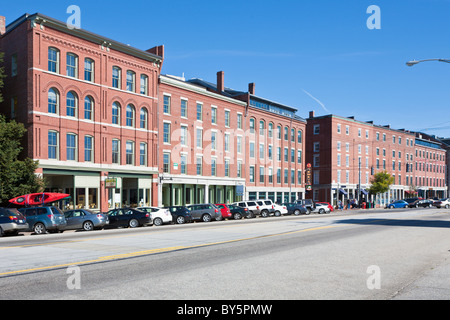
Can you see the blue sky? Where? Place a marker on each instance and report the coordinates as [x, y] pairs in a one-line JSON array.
[[311, 55]]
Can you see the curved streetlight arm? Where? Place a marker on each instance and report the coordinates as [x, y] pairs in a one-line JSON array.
[[414, 62]]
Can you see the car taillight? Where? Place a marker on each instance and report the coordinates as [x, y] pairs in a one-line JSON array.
[[12, 218], [273, 207], [50, 216], [147, 215], [216, 210], [245, 209], [257, 207], [99, 216]]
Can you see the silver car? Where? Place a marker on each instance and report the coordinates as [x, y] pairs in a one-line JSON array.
[[85, 219]]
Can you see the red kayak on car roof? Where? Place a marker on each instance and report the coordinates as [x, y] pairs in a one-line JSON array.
[[40, 198]]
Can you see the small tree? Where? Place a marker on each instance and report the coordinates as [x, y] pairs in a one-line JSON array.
[[17, 177], [381, 183]]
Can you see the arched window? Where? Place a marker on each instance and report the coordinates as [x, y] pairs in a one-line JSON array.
[[261, 127], [143, 118], [71, 104], [129, 121], [88, 108], [116, 113], [53, 101]]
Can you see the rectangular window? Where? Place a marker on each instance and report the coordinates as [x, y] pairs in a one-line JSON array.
[[213, 167], [144, 85], [184, 136], [88, 148], [142, 154], [71, 146], [227, 118], [252, 174], [261, 174], [131, 81], [183, 162], [227, 168], [213, 141], [199, 112], [166, 162], [166, 132], [129, 153], [116, 77], [166, 106], [199, 138], [14, 65], [239, 121], [239, 169], [199, 164], [89, 70], [53, 145], [71, 65], [183, 108], [213, 115], [53, 60], [116, 151]]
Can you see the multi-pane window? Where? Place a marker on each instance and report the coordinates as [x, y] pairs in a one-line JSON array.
[[166, 105], [227, 118], [227, 167], [199, 112], [131, 81], [53, 101], [53, 145], [199, 164], [115, 113], [71, 65], [214, 115], [183, 162], [184, 136], [199, 138], [116, 77], [88, 148], [71, 146], [144, 85], [183, 108], [89, 70], [71, 104], [166, 162], [53, 60], [213, 167], [88, 108], [129, 152], [166, 132], [252, 125], [213, 140], [143, 154], [252, 174], [261, 128], [129, 117], [116, 151], [239, 121]]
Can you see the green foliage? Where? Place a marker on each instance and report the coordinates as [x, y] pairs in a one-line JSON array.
[[16, 176], [381, 182]]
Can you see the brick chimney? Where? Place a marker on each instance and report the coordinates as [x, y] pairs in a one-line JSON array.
[[220, 82], [251, 88], [311, 114], [2, 25]]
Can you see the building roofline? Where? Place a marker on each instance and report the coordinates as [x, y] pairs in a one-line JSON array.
[[42, 19]]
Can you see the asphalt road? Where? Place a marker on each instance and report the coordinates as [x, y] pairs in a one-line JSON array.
[[381, 255]]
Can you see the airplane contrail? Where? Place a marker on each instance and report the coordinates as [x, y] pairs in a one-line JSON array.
[[317, 100]]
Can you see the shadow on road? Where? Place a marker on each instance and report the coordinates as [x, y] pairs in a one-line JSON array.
[[398, 222]]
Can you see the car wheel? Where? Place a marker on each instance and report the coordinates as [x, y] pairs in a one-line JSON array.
[[297, 212], [308, 210], [181, 220], [2, 233], [133, 223], [157, 222], [39, 228], [447, 206], [264, 213], [277, 213], [206, 218], [321, 211], [237, 216], [88, 226]]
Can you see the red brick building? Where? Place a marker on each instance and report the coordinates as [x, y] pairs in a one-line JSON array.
[[221, 145], [345, 154], [89, 104]]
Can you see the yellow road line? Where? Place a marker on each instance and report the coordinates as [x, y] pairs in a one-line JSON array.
[[154, 251]]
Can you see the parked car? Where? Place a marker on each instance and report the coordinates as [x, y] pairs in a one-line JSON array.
[[397, 204], [158, 215], [205, 212], [252, 207], [443, 203], [266, 207], [279, 209], [43, 219], [180, 214], [412, 201], [238, 212], [425, 203], [224, 210], [327, 204], [128, 217], [85, 219], [11, 222], [295, 208], [309, 204], [321, 208]]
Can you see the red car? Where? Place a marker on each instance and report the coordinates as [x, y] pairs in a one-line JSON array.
[[327, 204], [224, 210]]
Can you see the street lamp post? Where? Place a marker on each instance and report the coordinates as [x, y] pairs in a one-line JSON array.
[[414, 62]]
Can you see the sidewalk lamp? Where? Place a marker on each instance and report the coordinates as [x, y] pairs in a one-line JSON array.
[[414, 62]]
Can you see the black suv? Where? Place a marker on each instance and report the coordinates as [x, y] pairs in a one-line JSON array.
[[180, 214]]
